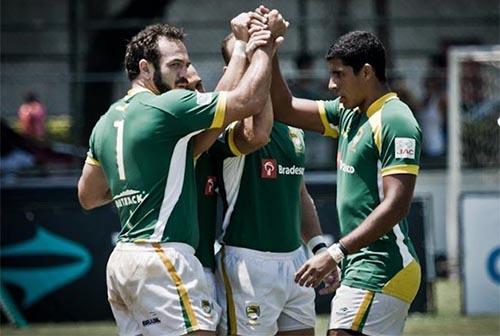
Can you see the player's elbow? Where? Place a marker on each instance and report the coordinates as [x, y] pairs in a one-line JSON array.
[[85, 201], [260, 138], [84, 197], [400, 210]]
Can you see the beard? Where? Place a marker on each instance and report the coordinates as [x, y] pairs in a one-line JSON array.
[[159, 83]]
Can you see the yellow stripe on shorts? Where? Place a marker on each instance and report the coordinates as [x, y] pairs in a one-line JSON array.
[[363, 310], [231, 310], [186, 303]]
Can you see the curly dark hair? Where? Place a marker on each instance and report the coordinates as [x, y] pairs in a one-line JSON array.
[[357, 48], [144, 45]]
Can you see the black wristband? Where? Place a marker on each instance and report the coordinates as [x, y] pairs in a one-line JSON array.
[[343, 249], [318, 247]]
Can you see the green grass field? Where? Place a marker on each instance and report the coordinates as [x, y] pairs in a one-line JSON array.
[[447, 321]]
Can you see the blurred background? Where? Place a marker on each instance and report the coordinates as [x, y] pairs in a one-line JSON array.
[[62, 66]]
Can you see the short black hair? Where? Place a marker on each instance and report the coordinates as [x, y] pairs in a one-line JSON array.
[[144, 45], [357, 48]]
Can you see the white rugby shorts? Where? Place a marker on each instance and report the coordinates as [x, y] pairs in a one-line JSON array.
[[258, 295], [159, 289], [367, 312]]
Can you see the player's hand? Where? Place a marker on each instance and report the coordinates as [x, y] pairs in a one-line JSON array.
[[258, 38], [240, 24], [262, 10], [315, 270], [277, 25], [332, 282]]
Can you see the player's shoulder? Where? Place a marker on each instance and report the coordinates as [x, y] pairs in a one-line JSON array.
[[181, 99], [396, 110]]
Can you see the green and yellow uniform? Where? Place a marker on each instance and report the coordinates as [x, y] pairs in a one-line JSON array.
[[383, 141], [261, 236], [142, 144], [262, 192], [206, 184]]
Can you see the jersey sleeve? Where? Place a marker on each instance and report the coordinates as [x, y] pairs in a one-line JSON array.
[[224, 146], [92, 156], [329, 112], [400, 144], [195, 110]]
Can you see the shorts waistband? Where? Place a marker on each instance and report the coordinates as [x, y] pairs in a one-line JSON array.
[[262, 254], [150, 247]]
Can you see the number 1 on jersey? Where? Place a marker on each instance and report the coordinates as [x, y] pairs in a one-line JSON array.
[[119, 148]]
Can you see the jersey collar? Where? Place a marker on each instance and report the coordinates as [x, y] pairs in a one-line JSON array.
[[377, 104], [132, 92]]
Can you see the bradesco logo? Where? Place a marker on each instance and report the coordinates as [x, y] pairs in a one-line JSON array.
[[268, 169], [342, 166]]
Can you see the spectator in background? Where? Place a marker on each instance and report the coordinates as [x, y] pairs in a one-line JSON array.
[[432, 112], [32, 117]]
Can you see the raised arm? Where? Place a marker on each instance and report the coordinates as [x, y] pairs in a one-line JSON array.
[[231, 75], [252, 91], [236, 60], [302, 113]]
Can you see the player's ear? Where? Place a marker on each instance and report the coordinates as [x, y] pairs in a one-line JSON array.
[[146, 68], [224, 69], [368, 71]]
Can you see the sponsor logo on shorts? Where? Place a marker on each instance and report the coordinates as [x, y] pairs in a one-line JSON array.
[[210, 186], [253, 313], [342, 311], [151, 321], [404, 148], [206, 306], [268, 169]]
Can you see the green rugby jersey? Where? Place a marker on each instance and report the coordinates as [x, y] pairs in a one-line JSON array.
[[142, 144], [206, 184], [385, 140], [261, 191]]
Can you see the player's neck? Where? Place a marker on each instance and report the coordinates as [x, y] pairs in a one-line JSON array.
[[140, 83], [375, 92]]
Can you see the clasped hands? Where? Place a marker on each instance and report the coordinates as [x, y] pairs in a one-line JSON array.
[[259, 28]]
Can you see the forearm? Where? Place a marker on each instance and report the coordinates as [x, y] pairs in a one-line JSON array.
[[385, 216], [280, 93], [234, 71], [253, 88], [253, 132], [203, 141], [310, 226]]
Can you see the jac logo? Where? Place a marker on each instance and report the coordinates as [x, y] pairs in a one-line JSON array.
[[268, 169], [405, 148], [210, 186]]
